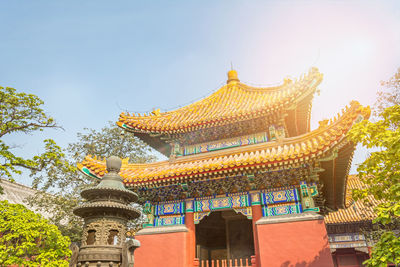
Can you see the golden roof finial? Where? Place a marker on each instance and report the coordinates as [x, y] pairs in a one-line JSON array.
[[156, 112], [232, 76]]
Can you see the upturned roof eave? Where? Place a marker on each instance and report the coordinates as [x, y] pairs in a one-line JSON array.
[[163, 123], [353, 113]]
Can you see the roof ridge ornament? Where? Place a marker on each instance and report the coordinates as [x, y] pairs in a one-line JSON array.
[[232, 77]]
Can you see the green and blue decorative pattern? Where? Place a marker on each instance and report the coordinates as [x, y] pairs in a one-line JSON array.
[[222, 203], [170, 208], [169, 220], [294, 208], [227, 143], [281, 196], [274, 202]]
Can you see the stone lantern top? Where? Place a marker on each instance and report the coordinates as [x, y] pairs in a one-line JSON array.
[[106, 213], [109, 193], [113, 164], [111, 182]]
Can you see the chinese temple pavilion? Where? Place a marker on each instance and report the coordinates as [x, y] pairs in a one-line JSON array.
[[246, 181]]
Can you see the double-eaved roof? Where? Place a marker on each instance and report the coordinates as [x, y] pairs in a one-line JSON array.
[[231, 105], [286, 153]]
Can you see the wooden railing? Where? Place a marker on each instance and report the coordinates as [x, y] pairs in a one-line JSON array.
[[224, 263]]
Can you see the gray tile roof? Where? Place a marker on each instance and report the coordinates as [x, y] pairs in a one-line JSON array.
[[17, 193]]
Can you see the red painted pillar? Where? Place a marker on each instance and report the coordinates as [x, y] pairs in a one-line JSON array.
[[191, 235], [256, 215]]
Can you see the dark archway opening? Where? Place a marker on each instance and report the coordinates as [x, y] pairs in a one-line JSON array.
[[224, 235], [349, 257]]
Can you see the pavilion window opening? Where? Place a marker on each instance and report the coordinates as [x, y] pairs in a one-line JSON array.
[[91, 237], [112, 237]]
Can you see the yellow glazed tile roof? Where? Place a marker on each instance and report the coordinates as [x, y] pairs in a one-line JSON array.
[[231, 103], [293, 150], [356, 211]]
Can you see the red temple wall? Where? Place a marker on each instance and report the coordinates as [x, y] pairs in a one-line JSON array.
[[163, 249], [295, 243]]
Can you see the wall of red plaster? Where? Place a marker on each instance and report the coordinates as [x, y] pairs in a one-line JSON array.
[[292, 244], [166, 250]]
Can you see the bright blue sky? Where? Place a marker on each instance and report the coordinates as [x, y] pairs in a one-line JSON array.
[[91, 60]]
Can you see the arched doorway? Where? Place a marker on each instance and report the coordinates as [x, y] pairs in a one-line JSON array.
[[224, 235]]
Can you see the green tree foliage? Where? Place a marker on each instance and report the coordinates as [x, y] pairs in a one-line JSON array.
[[380, 172], [23, 113], [54, 171], [26, 239], [110, 140], [65, 183]]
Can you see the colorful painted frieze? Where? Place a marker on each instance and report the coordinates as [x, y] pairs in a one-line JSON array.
[[276, 202], [346, 237], [220, 203], [284, 209], [170, 208], [227, 143], [350, 240], [169, 220], [281, 196]]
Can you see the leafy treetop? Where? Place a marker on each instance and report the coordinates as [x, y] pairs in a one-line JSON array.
[[380, 172], [23, 113], [27, 239], [54, 170]]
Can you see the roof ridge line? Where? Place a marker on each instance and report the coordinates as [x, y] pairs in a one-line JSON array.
[[247, 87], [354, 106]]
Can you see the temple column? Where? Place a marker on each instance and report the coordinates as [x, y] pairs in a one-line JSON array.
[[256, 215], [191, 235]]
